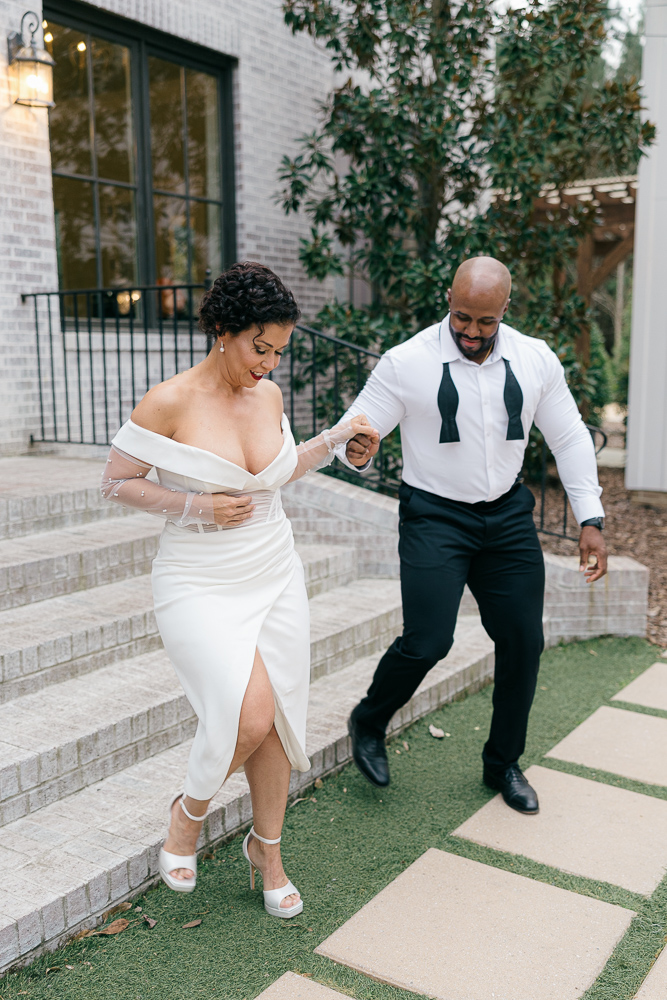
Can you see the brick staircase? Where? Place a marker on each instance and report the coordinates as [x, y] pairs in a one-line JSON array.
[[94, 727]]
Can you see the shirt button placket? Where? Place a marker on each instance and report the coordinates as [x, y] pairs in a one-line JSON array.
[[488, 428]]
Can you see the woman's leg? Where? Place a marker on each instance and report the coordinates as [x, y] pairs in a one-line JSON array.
[[255, 721], [268, 774]]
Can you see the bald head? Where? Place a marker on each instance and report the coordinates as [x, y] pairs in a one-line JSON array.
[[482, 276], [478, 300]]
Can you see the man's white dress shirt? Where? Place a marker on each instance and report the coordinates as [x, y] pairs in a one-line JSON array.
[[483, 465]]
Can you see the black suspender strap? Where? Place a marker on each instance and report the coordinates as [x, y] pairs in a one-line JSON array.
[[513, 397], [448, 404]]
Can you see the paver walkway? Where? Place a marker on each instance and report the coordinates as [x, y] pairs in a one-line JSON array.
[[584, 827], [654, 986], [649, 690], [631, 744], [457, 929], [293, 987]]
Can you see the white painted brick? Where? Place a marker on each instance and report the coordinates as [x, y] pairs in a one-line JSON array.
[[30, 931], [76, 906], [119, 882], [9, 781], [53, 919], [28, 773], [137, 870], [9, 940], [98, 892], [11, 664]]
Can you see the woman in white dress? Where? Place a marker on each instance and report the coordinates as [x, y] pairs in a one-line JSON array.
[[231, 605]]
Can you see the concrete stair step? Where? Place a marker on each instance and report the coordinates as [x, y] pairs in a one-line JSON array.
[[34, 494], [66, 636], [41, 566], [75, 733], [353, 621], [72, 860], [377, 554]]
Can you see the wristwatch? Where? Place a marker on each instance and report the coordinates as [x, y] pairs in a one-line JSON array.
[[595, 522]]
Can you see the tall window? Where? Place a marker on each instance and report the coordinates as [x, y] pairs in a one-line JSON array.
[[140, 168], [185, 152]]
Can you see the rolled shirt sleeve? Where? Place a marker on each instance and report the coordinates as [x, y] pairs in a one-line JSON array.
[[570, 442], [379, 401]]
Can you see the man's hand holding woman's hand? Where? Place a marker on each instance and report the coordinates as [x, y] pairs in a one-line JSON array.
[[365, 443]]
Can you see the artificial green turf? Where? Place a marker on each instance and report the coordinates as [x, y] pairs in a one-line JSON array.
[[344, 848]]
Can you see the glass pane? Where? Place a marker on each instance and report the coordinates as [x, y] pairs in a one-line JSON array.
[[171, 239], [113, 110], [118, 236], [166, 107], [203, 134], [70, 119], [75, 233], [205, 228]]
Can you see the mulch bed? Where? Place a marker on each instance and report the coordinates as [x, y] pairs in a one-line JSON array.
[[630, 530]]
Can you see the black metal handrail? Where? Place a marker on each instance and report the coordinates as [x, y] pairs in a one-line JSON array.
[[98, 350]]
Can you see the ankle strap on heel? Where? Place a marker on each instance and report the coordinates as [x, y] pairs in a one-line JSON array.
[[263, 839], [195, 819]]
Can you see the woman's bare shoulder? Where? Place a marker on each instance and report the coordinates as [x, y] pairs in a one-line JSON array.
[[272, 390], [159, 409], [273, 396]]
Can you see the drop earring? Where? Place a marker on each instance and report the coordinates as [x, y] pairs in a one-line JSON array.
[[222, 348]]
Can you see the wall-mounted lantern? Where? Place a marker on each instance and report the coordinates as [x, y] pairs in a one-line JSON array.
[[30, 66]]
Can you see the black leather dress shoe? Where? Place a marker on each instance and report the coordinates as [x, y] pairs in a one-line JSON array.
[[370, 755], [514, 788]]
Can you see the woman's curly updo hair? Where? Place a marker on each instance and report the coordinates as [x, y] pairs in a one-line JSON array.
[[247, 294]]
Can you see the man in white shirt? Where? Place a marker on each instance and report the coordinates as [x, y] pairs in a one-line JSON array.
[[465, 393]]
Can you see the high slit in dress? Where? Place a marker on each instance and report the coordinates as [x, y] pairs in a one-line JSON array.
[[221, 593]]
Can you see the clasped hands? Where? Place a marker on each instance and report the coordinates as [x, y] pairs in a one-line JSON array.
[[365, 443]]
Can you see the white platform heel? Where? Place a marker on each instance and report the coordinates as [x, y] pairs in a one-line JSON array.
[[168, 862], [272, 897]]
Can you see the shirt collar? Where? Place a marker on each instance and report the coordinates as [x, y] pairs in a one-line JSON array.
[[450, 352]]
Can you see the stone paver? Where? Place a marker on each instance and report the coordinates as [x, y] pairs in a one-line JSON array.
[[654, 986], [583, 827], [625, 743], [649, 689], [293, 987], [455, 929]]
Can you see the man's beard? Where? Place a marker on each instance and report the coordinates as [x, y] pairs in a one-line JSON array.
[[485, 344]]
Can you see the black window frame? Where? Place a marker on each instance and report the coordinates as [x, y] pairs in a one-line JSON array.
[[144, 41]]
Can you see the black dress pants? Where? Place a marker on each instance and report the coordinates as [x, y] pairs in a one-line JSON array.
[[494, 548]]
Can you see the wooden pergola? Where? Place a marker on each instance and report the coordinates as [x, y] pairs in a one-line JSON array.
[[612, 239]]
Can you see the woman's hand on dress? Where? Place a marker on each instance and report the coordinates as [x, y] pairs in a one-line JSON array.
[[231, 511]]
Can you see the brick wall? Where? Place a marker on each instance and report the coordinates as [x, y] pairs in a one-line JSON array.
[[277, 83], [27, 244]]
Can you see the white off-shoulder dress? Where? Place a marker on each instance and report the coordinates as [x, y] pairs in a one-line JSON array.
[[220, 593]]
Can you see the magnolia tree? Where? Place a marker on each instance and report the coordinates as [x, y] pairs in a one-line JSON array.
[[449, 119]]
